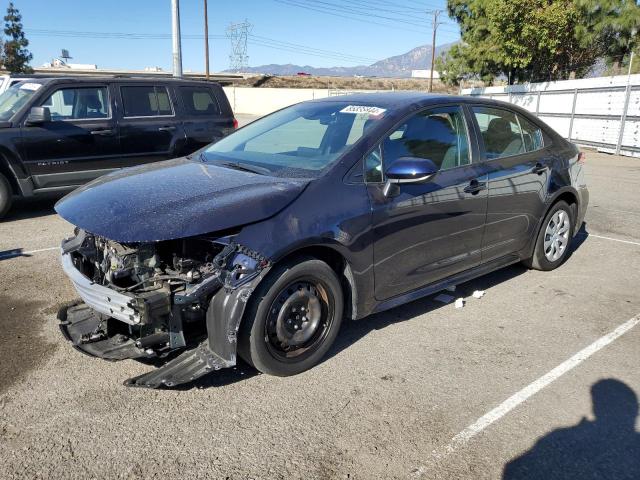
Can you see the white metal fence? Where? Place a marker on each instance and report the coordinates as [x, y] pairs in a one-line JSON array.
[[599, 112]]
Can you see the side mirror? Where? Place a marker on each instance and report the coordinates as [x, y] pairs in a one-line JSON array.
[[409, 170], [38, 115]]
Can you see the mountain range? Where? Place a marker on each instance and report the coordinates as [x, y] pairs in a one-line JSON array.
[[397, 66]]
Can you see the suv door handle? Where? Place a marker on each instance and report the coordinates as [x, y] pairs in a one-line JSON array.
[[166, 129], [539, 168], [474, 187], [104, 132]]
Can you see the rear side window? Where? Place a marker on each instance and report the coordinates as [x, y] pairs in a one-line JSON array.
[[500, 131], [199, 101], [146, 101], [531, 134], [439, 135]]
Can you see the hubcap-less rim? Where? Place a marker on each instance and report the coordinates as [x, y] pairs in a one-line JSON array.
[[298, 320], [556, 235]]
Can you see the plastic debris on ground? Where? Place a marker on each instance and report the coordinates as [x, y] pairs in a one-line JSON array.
[[478, 294], [444, 298], [459, 302]]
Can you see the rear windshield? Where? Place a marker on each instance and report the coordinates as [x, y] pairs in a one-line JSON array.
[[299, 141]]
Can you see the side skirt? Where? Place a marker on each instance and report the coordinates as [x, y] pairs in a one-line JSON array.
[[456, 279]]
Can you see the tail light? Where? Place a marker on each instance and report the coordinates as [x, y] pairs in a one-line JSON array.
[[235, 123], [582, 157]]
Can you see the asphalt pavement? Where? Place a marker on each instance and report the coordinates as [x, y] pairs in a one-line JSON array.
[[537, 379]]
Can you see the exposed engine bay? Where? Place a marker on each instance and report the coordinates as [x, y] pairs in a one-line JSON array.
[[155, 299]]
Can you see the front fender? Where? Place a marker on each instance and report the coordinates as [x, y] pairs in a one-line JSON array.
[[225, 313]]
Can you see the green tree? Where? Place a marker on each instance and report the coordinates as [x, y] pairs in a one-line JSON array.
[[613, 25], [15, 57], [537, 40]]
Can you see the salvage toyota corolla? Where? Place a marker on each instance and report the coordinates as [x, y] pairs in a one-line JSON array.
[[260, 244]]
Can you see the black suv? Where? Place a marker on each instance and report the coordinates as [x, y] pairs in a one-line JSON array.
[[58, 133]]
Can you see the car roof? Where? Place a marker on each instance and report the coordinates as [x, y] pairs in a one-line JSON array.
[[398, 101], [80, 80]]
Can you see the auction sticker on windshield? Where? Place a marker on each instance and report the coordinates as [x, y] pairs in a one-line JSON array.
[[355, 109]]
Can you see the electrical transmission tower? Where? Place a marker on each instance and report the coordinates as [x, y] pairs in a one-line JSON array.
[[238, 33]]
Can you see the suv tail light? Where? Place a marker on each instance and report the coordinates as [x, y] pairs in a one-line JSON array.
[[235, 124]]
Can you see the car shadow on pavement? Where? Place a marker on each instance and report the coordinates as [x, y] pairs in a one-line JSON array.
[[353, 331], [33, 207], [607, 447]]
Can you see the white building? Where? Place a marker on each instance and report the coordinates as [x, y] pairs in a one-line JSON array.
[[424, 74]]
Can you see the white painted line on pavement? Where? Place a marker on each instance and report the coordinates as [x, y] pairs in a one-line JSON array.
[[609, 238], [20, 253], [523, 395]]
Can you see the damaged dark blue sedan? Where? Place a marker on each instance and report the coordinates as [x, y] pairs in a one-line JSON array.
[[260, 244]]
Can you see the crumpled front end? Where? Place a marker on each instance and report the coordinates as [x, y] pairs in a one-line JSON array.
[[156, 300]]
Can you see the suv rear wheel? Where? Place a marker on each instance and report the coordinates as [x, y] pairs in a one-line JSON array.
[[293, 318], [6, 195], [554, 238]]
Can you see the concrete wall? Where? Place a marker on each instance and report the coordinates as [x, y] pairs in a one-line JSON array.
[[261, 101]]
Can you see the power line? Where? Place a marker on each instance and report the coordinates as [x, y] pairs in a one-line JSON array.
[[350, 17], [253, 39], [353, 13]]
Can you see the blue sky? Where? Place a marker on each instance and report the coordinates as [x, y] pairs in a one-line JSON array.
[[71, 24]]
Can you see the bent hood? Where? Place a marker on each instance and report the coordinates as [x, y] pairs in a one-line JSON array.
[[175, 199]]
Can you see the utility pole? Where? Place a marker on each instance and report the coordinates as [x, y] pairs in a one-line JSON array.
[[175, 33], [206, 41], [435, 14]]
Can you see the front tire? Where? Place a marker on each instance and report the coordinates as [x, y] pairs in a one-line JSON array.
[[6, 195], [293, 318], [554, 238]]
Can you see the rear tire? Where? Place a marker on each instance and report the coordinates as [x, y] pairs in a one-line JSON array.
[[554, 238], [6, 195], [293, 318]]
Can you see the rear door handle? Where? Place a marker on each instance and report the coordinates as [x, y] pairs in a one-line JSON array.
[[166, 129], [474, 187], [104, 132], [539, 169]]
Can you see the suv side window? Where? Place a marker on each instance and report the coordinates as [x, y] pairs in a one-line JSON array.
[[199, 101], [78, 103], [145, 101], [438, 134], [500, 131]]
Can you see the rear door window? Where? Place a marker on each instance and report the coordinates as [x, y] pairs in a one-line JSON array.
[[500, 132], [146, 101], [199, 101], [531, 134]]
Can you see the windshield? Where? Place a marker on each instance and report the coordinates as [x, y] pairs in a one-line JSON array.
[[299, 141], [15, 97]]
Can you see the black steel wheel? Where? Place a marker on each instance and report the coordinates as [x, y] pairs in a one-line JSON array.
[[293, 318]]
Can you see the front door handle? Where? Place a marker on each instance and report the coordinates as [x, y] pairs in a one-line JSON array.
[[104, 132], [474, 187], [539, 168], [166, 129]]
